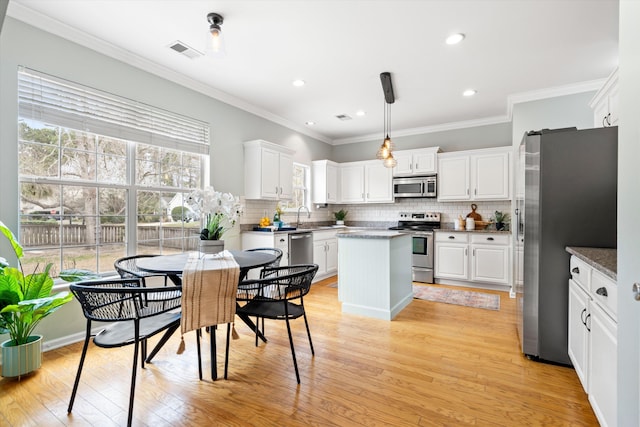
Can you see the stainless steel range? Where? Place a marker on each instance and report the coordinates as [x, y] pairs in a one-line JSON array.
[[420, 225]]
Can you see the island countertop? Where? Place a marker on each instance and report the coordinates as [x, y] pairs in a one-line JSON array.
[[370, 234], [605, 260]]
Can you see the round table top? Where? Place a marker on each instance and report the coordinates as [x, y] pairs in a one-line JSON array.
[[174, 263]]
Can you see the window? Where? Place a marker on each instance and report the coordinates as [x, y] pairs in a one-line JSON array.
[[102, 176], [301, 184]]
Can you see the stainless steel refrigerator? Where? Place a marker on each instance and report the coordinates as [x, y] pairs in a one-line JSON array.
[[566, 195]]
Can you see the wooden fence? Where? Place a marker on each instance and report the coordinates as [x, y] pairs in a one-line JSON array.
[[55, 234]]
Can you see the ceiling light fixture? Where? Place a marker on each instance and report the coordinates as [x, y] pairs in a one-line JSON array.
[[469, 92], [215, 42], [360, 113], [310, 123], [385, 151], [298, 83], [455, 38]]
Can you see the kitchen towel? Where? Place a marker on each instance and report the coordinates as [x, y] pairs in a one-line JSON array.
[[209, 287]]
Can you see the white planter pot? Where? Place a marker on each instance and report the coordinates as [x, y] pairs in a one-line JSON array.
[[21, 359], [211, 246], [338, 222]]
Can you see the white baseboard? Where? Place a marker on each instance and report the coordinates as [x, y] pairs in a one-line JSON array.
[[488, 286]]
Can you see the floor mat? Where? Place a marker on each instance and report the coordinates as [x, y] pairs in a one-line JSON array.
[[457, 297]]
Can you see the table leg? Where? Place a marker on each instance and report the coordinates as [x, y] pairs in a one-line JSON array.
[[162, 341], [247, 320]]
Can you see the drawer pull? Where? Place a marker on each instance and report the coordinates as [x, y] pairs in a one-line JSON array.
[[575, 270], [602, 291], [489, 238], [452, 237]]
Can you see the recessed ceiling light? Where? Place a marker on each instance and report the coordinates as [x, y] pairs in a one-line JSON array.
[[298, 83], [469, 92], [455, 38], [360, 113], [310, 123]]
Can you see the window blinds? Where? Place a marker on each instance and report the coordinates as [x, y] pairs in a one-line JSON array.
[[59, 102]]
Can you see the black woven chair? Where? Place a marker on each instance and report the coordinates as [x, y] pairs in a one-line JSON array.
[[136, 314], [279, 295], [127, 268], [274, 251]]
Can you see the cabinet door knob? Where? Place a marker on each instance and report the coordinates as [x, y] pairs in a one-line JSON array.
[[602, 291], [636, 291], [575, 270]]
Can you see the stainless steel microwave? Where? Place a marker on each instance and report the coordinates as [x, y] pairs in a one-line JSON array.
[[415, 186]]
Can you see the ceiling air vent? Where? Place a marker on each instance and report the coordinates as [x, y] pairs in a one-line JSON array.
[[185, 50], [344, 117]]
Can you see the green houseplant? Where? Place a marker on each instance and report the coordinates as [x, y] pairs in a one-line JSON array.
[[501, 219], [26, 299], [340, 216]]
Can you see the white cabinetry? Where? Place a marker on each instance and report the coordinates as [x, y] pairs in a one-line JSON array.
[[490, 258], [593, 345], [325, 253], [268, 170], [605, 103], [452, 256], [474, 175], [366, 182], [416, 162], [476, 257], [324, 181]]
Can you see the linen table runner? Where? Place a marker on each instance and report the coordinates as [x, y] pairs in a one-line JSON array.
[[209, 287]]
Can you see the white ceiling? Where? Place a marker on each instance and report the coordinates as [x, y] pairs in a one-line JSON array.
[[513, 49]]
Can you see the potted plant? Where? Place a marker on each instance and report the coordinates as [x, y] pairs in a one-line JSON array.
[[220, 212], [24, 301], [340, 216], [501, 219]]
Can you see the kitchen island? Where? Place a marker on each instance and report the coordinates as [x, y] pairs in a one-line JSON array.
[[374, 272]]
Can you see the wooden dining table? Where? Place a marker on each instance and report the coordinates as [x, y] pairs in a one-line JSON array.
[[173, 265]]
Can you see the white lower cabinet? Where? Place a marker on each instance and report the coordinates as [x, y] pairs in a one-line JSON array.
[[452, 256], [475, 257], [325, 253], [257, 239], [578, 332], [593, 344]]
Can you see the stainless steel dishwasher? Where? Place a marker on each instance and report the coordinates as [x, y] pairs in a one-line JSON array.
[[301, 248]]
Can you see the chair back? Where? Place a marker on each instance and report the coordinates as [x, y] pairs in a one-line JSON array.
[[275, 251], [123, 299], [281, 283], [127, 267]]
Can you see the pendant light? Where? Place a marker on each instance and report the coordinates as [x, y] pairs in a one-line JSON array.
[[385, 152]]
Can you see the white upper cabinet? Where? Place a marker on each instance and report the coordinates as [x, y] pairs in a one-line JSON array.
[[366, 182], [474, 175], [324, 181], [268, 170], [422, 161], [605, 103]]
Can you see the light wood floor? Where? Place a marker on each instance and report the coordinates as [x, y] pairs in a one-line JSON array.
[[434, 365]]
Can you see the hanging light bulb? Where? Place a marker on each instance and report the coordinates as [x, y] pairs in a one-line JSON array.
[[215, 42], [390, 162]]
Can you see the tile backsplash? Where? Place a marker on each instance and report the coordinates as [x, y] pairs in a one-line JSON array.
[[378, 212]]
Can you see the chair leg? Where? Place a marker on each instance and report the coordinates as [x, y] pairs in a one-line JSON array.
[[257, 328], [198, 334], [226, 353], [133, 374], [293, 351], [214, 362], [84, 353], [143, 352], [308, 332]]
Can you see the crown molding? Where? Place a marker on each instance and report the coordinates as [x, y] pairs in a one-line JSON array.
[[427, 129], [39, 20], [552, 92]]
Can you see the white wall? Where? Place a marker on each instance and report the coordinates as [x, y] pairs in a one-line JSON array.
[[628, 207]]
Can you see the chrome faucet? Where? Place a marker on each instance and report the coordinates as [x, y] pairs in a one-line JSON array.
[[298, 217]]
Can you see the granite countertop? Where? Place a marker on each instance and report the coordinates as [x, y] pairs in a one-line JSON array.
[[371, 234], [605, 260], [486, 230]]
